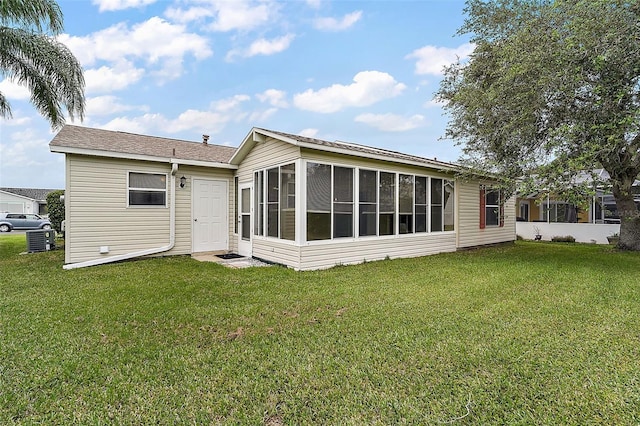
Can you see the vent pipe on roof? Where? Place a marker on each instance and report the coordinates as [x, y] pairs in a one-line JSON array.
[[205, 139]]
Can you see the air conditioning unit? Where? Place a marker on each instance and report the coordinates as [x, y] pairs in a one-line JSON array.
[[41, 240]]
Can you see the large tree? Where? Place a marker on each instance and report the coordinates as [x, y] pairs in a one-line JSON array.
[[31, 56], [551, 92]]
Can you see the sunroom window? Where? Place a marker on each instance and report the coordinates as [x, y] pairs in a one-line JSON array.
[[387, 213], [368, 202], [449, 218], [406, 204], [342, 202], [436, 205], [273, 192], [330, 202], [318, 201], [274, 201], [421, 204]]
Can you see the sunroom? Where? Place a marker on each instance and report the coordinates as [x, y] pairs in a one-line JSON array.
[[331, 212]]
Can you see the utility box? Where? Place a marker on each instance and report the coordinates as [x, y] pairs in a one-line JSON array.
[[41, 240]]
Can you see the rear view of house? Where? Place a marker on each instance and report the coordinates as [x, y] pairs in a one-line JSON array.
[[297, 201]]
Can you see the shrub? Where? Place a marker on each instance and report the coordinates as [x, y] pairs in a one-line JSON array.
[[55, 208], [565, 239]]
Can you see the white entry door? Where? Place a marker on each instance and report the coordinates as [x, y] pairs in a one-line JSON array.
[[210, 215], [245, 224]]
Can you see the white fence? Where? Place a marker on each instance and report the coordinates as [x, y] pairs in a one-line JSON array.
[[596, 233]]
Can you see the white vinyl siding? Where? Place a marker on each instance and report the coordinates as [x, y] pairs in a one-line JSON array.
[[277, 251], [342, 252], [264, 155], [97, 214], [468, 226]]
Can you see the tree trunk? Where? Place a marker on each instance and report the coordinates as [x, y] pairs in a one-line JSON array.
[[629, 217]]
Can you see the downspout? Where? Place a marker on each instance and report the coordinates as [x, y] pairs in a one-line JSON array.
[[146, 252]]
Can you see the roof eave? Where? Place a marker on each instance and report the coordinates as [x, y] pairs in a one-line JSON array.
[[247, 145], [255, 133], [140, 157], [345, 151]]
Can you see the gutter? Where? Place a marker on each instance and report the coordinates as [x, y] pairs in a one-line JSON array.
[[146, 252]]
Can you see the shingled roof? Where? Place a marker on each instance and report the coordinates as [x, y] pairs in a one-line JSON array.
[[364, 150], [86, 138], [76, 139], [37, 194]]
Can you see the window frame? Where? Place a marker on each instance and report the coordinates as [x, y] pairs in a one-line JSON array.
[[261, 201], [358, 203], [485, 191], [165, 191], [333, 202]]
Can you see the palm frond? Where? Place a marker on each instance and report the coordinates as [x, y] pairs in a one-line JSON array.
[[38, 15], [48, 69], [5, 108]]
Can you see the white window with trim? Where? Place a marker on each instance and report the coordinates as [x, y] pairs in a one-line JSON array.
[[146, 189]]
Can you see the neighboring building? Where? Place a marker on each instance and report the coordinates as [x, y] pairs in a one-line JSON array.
[[297, 201], [24, 200], [555, 217], [541, 207]]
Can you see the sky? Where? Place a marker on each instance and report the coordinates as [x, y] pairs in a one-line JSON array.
[[356, 71]]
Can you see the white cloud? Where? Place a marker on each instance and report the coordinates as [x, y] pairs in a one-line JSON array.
[[208, 122], [368, 88], [229, 104], [212, 121], [197, 13], [433, 103], [236, 15], [22, 148], [276, 98], [106, 105], [314, 3], [111, 5], [432, 59], [262, 116], [141, 125], [155, 41], [242, 15], [333, 24], [264, 47], [391, 122], [309, 133], [14, 121], [11, 90], [107, 79]]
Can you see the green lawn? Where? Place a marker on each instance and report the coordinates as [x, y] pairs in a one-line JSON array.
[[535, 333]]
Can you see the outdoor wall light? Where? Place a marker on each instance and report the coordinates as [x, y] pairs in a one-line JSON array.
[[183, 181]]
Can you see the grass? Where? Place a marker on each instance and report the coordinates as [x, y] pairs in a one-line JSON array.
[[535, 333]]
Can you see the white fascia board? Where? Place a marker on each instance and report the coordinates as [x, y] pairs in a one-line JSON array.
[[245, 146], [346, 151], [183, 162], [140, 157], [376, 157]]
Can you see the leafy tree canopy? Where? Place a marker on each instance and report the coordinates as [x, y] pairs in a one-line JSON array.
[[31, 56], [551, 91]]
